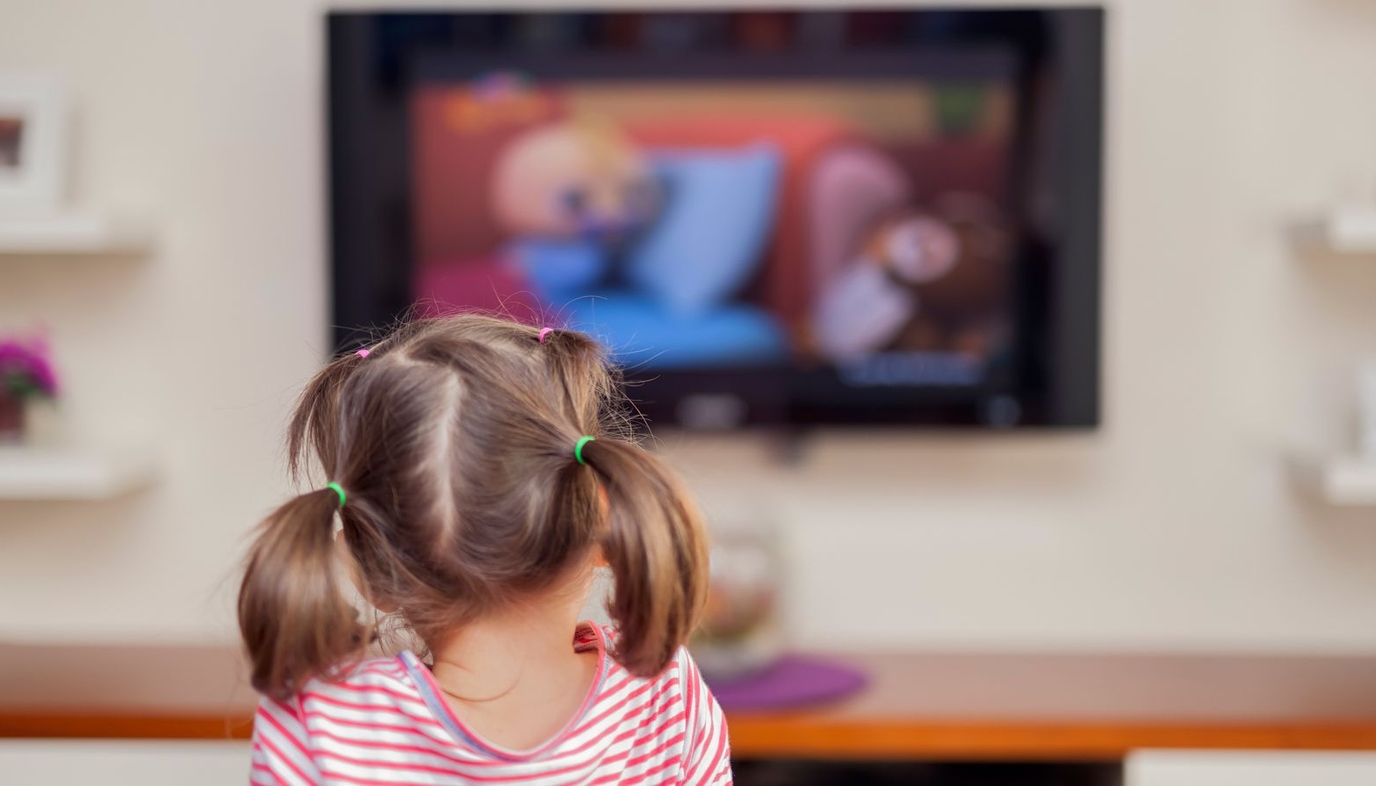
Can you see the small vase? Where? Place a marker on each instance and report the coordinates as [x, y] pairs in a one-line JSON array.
[[11, 420], [741, 635]]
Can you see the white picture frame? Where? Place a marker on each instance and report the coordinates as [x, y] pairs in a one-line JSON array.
[[33, 143]]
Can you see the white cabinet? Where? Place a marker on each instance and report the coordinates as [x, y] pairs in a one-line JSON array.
[[121, 762], [1250, 768]]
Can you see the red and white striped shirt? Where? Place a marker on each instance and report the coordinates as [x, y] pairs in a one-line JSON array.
[[387, 722]]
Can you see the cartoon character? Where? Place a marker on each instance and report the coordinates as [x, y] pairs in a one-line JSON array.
[[871, 301], [569, 193], [965, 310]]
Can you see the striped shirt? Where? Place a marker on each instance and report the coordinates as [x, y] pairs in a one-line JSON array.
[[387, 722]]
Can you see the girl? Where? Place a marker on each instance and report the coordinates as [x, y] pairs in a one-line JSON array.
[[477, 481]]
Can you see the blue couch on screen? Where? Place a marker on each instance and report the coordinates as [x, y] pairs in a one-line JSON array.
[[673, 306]]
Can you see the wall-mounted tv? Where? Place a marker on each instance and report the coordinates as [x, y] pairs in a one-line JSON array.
[[807, 217]]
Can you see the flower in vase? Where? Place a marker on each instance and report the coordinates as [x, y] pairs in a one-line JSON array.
[[26, 368]]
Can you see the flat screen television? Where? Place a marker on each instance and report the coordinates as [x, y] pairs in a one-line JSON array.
[[791, 218]]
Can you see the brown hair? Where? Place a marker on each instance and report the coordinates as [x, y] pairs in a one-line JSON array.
[[453, 440]]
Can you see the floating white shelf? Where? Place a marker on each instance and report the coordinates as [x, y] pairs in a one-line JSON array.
[[72, 233], [42, 473], [1343, 231], [1342, 480]]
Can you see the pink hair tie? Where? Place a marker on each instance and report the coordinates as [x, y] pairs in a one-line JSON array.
[[363, 353], [545, 332]]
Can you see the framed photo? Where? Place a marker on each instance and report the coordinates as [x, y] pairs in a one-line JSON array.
[[33, 143]]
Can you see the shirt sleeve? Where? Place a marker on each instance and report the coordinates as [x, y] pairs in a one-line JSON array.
[[281, 750], [708, 759]]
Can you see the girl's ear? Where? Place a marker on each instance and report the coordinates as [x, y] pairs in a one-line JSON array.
[[346, 557], [342, 552], [599, 557]]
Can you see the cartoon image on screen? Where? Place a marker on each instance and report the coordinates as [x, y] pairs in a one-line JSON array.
[[857, 225]]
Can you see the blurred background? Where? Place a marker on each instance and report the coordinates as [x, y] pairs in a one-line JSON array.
[[1030, 336]]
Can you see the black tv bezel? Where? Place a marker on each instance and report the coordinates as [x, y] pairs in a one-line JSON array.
[[370, 243]]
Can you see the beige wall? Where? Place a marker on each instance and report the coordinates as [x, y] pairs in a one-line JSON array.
[[111, 762], [1172, 526], [1249, 768]]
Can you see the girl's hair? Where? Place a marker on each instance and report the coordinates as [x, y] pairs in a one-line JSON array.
[[453, 440]]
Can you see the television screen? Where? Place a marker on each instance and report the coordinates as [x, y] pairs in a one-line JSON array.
[[788, 218]]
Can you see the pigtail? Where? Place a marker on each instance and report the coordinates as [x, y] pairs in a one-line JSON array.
[[294, 613], [656, 546], [315, 422]]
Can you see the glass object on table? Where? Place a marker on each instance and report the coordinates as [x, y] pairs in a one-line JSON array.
[[741, 631]]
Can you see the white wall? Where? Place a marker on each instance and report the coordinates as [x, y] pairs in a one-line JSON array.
[[1172, 526], [1249, 768], [112, 762]]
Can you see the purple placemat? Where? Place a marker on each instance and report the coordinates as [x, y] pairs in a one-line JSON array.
[[794, 682]]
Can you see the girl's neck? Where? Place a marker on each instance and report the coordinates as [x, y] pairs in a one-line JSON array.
[[513, 677], [485, 657]]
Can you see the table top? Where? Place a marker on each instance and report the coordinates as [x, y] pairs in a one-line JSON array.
[[919, 705]]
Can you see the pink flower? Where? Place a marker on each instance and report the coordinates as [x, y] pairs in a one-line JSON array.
[[26, 367]]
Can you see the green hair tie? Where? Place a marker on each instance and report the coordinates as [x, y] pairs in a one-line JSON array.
[[338, 489], [578, 449]]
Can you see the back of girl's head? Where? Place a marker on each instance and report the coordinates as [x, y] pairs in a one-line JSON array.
[[452, 443]]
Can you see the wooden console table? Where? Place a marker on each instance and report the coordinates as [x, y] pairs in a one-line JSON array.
[[918, 706]]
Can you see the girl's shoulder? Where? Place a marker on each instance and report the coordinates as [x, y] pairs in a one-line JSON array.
[[383, 680]]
